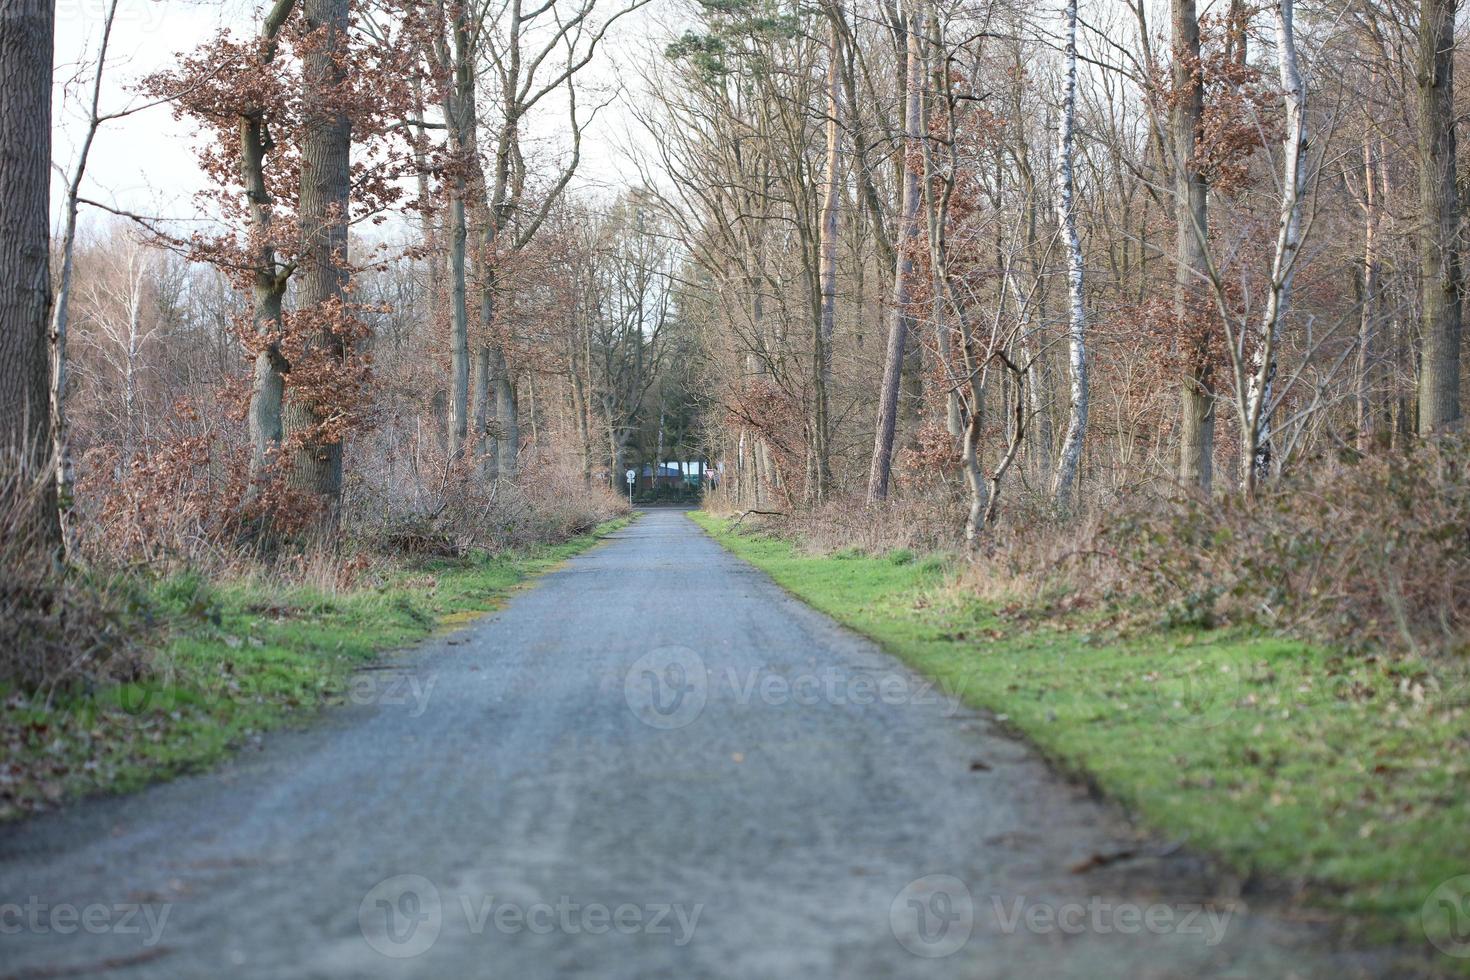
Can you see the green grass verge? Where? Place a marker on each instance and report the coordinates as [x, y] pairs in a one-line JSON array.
[[238, 658], [1348, 775]]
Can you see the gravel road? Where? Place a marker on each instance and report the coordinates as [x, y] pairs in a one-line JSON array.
[[653, 763]]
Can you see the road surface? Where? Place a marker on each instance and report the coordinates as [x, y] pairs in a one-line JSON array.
[[654, 763]]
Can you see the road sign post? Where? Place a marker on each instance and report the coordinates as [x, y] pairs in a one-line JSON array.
[[631, 476]]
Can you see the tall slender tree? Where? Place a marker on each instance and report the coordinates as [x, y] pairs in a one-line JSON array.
[[61, 313], [27, 29], [316, 467], [1257, 407], [1191, 236], [902, 313], [269, 276], [831, 203], [1439, 228], [454, 58], [1064, 485]]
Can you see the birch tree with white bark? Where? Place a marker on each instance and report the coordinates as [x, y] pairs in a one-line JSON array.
[[1256, 406], [1065, 481]]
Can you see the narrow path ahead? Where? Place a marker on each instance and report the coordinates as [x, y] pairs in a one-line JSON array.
[[653, 764]]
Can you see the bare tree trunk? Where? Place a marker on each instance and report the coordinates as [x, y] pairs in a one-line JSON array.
[[1071, 454], [617, 447], [740, 478], [531, 409], [1369, 354], [428, 220], [268, 383], [459, 329], [579, 412], [1197, 414], [268, 279], [828, 260], [508, 442], [582, 386], [137, 272], [1255, 422], [1439, 254], [936, 212], [1016, 438], [26, 44], [61, 312], [460, 119], [485, 441], [1405, 407], [756, 363], [975, 480], [326, 144], [1038, 377], [501, 393], [898, 328], [658, 447]]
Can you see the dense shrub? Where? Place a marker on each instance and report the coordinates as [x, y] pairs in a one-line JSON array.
[[921, 523], [58, 626], [1362, 552], [546, 503]]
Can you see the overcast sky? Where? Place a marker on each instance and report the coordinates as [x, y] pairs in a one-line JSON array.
[[145, 162]]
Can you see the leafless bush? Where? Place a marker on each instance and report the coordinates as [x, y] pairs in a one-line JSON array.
[[179, 504], [466, 511], [918, 523], [57, 626], [1362, 552], [1030, 560]]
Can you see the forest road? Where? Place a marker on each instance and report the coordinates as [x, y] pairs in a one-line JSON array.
[[653, 763]]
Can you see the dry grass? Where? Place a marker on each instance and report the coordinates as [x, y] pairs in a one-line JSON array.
[[921, 524], [467, 512], [1360, 553]]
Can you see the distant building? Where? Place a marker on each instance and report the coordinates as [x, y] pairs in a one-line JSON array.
[[674, 474]]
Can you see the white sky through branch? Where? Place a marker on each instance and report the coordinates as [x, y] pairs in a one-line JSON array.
[[146, 163]]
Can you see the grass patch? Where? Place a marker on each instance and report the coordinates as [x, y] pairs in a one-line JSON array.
[[238, 658], [1350, 775]]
